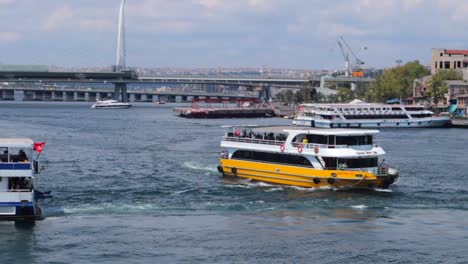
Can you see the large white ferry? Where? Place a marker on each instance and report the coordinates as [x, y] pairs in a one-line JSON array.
[[367, 115], [316, 157], [18, 195]]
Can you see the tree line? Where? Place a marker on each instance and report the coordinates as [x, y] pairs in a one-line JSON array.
[[393, 83]]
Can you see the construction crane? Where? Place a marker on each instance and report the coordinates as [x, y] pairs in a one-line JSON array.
[[352, 69]]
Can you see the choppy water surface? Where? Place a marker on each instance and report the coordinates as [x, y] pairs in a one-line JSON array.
[[141, 186]]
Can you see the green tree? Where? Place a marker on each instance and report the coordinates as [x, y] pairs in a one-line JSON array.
[[438, 86], [396, 82]]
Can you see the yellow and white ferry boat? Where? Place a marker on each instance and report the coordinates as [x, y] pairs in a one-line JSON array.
[[306, 157]]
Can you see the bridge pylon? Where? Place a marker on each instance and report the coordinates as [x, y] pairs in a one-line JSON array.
[[120, 92], [265, 94]]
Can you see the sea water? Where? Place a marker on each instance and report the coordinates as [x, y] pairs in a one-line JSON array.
[[140, 185]]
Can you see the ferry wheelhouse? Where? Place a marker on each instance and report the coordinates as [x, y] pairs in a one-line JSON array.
[[339, 158], [18, 196], [367, 115]]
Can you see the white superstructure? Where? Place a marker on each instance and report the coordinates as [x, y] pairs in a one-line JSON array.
[[367, 115]]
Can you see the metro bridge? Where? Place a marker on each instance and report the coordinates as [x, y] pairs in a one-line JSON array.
[[121, 79]]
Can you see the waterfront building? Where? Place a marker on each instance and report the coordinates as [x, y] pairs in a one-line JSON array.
[[449, 59]]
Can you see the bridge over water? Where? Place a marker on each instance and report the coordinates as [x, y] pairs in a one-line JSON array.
[[116, 85]]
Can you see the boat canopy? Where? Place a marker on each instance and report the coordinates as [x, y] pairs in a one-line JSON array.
[[16, 142], [393, 101], [452, 108]]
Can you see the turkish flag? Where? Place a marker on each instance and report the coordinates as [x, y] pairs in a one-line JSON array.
[[38, 146]]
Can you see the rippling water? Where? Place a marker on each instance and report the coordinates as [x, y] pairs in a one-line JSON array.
[[141, 186]]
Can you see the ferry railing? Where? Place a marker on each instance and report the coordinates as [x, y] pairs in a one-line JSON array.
[[254, 141], [19, 190], [325, 146]]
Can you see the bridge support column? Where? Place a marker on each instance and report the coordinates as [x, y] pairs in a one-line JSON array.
[[178, 98], [120, 92], [353, 86]]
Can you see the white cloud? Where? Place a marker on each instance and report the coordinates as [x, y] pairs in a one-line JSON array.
[[9, 36], [59, 18]]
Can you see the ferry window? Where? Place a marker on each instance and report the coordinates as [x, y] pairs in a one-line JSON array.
[[396, 109], [316, 139], [354, 140], [360, 163], [372, 109], [4, 154], [272, 157]]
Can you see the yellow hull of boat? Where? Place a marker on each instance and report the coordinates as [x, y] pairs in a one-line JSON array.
[[301, 176]]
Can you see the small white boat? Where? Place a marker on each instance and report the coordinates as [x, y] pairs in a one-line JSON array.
[[110, 104], [160, 102]]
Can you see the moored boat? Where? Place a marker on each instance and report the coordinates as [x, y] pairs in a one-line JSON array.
[[18, 195], [110, 104], [367, 115], [338, 158]]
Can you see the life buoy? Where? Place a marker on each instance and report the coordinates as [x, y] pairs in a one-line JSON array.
[[238, 133], [299, 148], [282, 147], [316, 149]]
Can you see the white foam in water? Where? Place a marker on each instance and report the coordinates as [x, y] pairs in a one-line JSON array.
[[383, 190], [274, 189], [199, 167], [106, 208], [361, 206]]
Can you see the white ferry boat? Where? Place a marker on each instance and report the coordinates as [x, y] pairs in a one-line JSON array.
[[110, 104], [316, 157], [18, 196], [367, 115]]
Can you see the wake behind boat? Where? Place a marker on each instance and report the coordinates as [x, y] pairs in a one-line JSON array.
[[110, 104]]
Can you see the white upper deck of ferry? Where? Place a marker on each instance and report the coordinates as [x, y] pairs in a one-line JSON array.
[[310, 141]]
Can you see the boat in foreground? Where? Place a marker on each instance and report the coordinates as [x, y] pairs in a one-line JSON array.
[[367, 115], [338, 158], [110, 104], [18, 196]]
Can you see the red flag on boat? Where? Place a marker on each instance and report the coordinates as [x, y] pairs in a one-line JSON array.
[[38, 146]]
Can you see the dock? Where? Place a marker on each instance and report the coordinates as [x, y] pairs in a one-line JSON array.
[[225, 108]]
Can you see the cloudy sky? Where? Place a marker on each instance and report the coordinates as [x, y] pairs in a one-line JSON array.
[[229, 33]]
